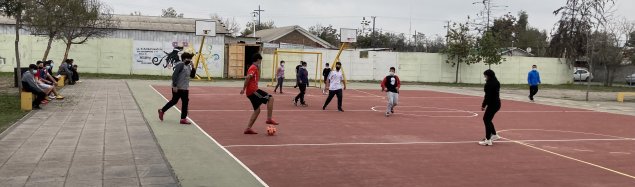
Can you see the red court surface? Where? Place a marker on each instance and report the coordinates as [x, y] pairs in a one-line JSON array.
[[430, 141]]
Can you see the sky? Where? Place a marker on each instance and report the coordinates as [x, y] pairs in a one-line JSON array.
[[396, 16]]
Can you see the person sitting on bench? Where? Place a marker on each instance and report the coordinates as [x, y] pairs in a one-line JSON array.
[[29, 85]]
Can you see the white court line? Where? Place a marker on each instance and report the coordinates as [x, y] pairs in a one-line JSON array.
[[415, 143], [574, 132], [216, 142], [418, 111], [355, 96]]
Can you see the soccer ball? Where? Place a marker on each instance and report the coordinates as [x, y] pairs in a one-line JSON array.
[[271, 130]]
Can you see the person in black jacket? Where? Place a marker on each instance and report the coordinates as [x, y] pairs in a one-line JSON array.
[[303, 80], [325, 73], [491, 105], [297, 68]]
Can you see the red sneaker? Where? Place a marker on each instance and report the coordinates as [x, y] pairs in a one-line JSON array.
[[185, 122], [272, 122], [161, 114], [249, 131]]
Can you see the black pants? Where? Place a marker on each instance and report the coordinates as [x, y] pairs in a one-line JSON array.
[[39, 95], [533, 90], [75, 76], [488, 117], [280, 83], [185, 99], [300, 96], [339, 98]]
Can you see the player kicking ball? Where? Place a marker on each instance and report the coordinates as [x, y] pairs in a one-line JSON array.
[[391, 85], [257, 96]]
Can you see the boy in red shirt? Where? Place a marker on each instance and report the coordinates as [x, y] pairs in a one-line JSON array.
[[257, 96]]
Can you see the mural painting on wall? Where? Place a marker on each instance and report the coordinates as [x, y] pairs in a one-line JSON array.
[[150, 55]]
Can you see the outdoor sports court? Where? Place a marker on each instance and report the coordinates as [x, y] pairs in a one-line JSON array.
[[430, 141]]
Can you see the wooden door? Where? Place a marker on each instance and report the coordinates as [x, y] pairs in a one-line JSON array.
[[236, 61]]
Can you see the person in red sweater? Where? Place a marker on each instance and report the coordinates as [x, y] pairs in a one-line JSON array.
[[391, 85], [256, 96]]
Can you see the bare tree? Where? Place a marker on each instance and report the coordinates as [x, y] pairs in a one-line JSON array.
[[229, 23], [611, 50], [16, 10], [47, 18], [91, 19]]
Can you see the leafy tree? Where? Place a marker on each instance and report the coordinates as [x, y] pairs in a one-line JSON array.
[[48, 18], [504, 30], [328, 34], [489, 49], [16, 10], [249, 29], [170, 13], [461, 47]]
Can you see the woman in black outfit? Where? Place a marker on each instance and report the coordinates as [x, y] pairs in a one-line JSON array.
[[491, 105]]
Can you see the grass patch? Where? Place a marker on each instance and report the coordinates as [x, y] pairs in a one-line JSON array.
[[10, 111]]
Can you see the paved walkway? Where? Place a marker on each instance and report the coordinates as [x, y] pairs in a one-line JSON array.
[[97, 136]]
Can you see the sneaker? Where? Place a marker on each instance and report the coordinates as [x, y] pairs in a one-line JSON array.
[[324, 108], [52, 96], [341, 110], [295, 103], [272, 122], [59, 97], [161, 114], [44, 102], [185, 122], [387, 114], [495, 137], [392, 110], [249, 131], [485, 142], [304, 105]]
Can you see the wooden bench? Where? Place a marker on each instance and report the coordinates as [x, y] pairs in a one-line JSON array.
[[621, 95], [61, 81], [26, 100]]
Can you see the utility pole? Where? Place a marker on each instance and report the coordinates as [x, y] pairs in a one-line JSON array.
[[258, 12], [447, 33], [372, 43], [416, 44], [254, 19]]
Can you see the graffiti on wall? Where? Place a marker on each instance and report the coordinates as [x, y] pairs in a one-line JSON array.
[[150, 55]]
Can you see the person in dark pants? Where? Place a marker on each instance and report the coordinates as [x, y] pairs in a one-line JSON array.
[[29, 85], [334, 84], [297, 68], [533, 79], [183, 71], [491, 105], [280, 77], [303, 80], [325, 74]]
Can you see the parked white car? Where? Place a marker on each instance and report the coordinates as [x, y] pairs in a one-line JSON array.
[[630, 80], [582, 75]]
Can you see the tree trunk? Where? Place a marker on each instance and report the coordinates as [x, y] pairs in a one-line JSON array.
[[68, 48], [607, 74], [612, 77], [48, 48], [456, 80], [18, 23]]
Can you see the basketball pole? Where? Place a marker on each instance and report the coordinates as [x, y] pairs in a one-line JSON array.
[[337, 59], [198, 58]]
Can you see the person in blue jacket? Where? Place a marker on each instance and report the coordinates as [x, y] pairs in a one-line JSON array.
[[534, 80]]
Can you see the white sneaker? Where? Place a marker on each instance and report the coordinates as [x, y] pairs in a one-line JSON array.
[[52, 96], [387, 114], [495, 137], [485, 142]]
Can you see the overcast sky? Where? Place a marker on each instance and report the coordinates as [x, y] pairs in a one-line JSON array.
[[398, 16]]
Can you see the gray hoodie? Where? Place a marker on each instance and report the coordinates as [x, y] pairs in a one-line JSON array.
[[29, 79], [181, 76]]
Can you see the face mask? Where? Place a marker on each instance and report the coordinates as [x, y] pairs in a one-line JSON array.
[[534, 68], [48, 67], [34, 71], [338, 68], [391, 73], [40, 67], [281, 65], [187, 61]]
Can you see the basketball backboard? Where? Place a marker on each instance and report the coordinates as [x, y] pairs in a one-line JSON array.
[[205, 28], [348, 35]]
